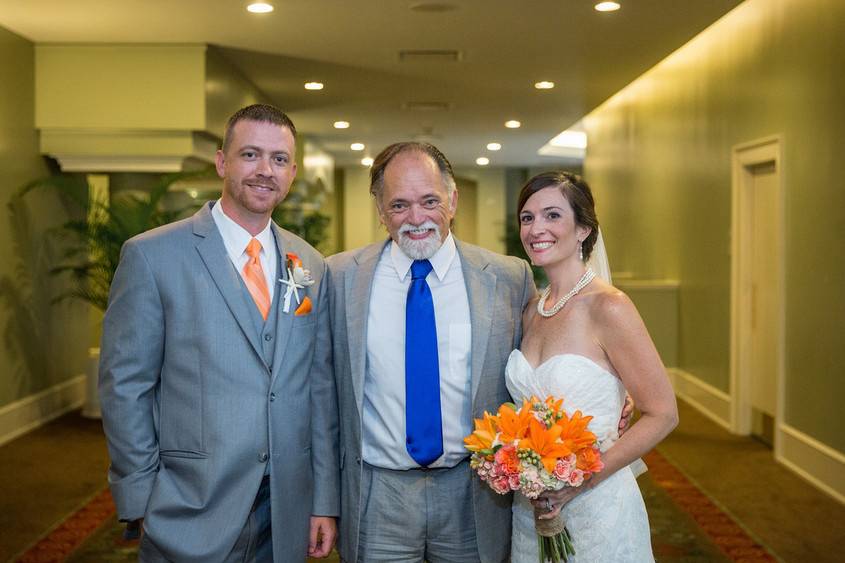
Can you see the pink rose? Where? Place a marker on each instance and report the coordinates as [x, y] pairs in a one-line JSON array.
[[576, 477], [562, 469]]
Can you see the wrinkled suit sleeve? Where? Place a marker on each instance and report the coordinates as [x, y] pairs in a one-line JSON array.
[[529, 290], [325, 431], [130, 366]]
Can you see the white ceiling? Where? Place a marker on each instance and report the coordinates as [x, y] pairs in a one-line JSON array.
[[353, 46]]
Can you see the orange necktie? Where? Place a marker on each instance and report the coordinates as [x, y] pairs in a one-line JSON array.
[[254, 278]]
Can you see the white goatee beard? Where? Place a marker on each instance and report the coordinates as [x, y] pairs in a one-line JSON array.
[[419, 249]]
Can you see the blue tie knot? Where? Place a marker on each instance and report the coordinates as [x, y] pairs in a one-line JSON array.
[[420, 269]]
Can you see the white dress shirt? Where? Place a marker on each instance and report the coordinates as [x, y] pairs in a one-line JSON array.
[[236, 238], [384, 381]]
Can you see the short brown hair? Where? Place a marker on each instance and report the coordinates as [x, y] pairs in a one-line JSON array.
[[389, 153], [577, 193], [257, 112]]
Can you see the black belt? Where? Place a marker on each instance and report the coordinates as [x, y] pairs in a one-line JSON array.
[[428, 469]]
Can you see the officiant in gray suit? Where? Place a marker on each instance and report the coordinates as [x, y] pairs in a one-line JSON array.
[[422, 326], [218, 400]]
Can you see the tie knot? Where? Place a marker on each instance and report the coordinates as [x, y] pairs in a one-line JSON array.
[[420, 269], [253, 249]]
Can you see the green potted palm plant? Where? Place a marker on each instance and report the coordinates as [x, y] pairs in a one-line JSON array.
[[90, 242]]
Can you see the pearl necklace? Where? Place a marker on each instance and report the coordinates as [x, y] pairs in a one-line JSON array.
[[541, 304]]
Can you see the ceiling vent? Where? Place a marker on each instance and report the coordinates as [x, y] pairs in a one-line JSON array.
[[429, 56], [427, 106]]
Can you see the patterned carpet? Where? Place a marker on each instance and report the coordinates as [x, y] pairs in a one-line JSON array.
[[686, 527]]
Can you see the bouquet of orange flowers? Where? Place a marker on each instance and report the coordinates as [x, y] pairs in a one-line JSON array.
[[533, 449]]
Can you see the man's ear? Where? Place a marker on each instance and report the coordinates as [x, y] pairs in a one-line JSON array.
[[220, 163], [453, 201]]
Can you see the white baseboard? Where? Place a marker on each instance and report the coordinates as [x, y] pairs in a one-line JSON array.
[[713, 403], [31, 412], [816, 462]]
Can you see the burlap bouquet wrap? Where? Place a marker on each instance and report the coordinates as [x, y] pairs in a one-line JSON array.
[[548, 527]]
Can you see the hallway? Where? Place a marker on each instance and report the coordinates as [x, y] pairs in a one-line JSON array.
[[53, 471]]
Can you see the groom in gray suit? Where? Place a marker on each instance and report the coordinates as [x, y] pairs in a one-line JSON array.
[[422, 326], [218, 399]]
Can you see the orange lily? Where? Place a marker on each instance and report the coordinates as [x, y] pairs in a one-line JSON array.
[[294, 259], [484, 434], [544, 442], [513, 424], [588, 460], [554, 405], [574, 433]]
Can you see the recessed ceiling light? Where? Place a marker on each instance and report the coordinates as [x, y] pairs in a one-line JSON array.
[[260, 8], [367, 161], [544, 85], [357, 146], [607, 6], [482, 161], [513, 124], [313, 85], [494, 146], [341, 125]]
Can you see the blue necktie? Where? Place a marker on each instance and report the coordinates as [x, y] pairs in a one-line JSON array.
[[423, 427]]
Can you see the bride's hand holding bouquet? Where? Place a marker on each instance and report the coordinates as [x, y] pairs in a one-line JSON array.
[[534, 449]]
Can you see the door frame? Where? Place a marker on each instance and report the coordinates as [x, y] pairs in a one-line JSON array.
[[745, 157]]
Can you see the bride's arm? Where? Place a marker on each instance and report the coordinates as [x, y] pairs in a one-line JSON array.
[[621, 333], [624, 338]]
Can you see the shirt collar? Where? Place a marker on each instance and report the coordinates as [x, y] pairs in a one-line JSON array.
[[440, 262], [236, 237]]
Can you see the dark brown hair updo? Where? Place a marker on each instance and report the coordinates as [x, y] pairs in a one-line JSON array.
[[577, 193]]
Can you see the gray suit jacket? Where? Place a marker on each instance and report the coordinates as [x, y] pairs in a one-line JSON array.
[[498, 288], [198, 398]]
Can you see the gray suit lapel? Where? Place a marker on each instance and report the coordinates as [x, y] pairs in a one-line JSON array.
[[358, 286], [481, 291], [284, 321], [216, 259]]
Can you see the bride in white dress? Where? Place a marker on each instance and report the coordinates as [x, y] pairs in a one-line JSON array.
[[584, 341]]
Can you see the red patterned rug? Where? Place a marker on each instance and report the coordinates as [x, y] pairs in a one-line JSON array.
[[725, 534], [71, 533], [722, 530]]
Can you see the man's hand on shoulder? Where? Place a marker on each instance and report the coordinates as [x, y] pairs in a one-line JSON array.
[[322, 537]]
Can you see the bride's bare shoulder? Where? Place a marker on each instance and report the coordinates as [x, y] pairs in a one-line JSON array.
[[610, 304]]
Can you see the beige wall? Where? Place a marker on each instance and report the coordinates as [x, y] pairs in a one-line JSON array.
[[488, 206], [659, 159], [34, 351], [121, 86], [360, 221]]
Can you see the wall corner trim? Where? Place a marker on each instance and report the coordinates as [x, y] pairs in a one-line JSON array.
[[26, 414], [816, 462], [712, 402]]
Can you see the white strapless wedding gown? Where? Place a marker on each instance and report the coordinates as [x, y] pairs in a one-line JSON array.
[[608, 523]]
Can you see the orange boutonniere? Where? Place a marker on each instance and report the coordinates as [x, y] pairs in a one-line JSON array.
[[298, 278]]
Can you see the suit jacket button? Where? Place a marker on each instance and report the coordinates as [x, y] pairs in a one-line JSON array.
[[262, 457], [272, 397], [268, 337]]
